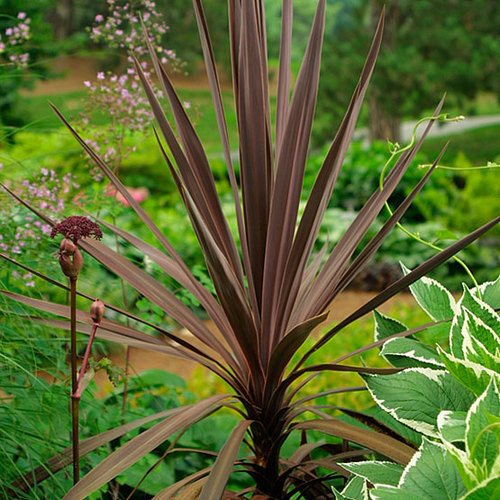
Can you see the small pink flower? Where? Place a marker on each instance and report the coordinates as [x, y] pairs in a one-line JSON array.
[[21, 15], [138, 195]]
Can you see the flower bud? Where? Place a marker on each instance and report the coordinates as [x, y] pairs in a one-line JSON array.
[[67, 247], [97, 311], [71, 264]]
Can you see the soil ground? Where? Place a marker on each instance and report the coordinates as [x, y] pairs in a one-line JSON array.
[[74, 70]]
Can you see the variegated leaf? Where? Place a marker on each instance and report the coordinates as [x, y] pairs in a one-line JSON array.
[[385, 326], [451, 425], [433, 297], [481, 442], [356, 489], [481, 309], [416, 396], [474, 376], [490, 293], [376, 472], [487, 490], [433, 473], [407, 353]]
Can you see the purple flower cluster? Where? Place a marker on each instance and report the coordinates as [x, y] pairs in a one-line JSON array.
[[76, 227], [49, 193], [120, 95], [11, 43], [122, 29]]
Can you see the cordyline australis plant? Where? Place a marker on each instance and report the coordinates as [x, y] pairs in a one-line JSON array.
[[270, 293]]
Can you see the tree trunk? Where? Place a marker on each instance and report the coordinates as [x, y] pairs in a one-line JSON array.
[[383, 126], [62, 19]]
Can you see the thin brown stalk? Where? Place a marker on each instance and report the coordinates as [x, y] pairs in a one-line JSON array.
[[74, 384], [83, 369]]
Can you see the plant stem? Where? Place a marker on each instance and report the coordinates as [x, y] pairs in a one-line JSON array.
[[125, 384], [74, 385], [395, 151], [78, 393]]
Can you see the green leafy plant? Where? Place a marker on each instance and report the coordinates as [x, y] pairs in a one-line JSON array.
[[450, 396], [269, 298]]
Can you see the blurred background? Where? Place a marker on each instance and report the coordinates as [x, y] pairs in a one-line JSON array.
[[75, 54]]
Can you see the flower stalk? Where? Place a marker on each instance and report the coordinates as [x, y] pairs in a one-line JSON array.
[[96, 312], [74, 384], [71, 261]]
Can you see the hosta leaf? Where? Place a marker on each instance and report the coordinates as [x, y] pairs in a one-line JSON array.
[[394, 493], [376, 472], [410, 435], [432, 474], [457, 335], [481, 443], [385, 326], [356, 489], [471, 375], [451, 425], [487, 490], [483, 337], [407, 353], [433, 297], [338, 495], [490, 293], [416, 396], [482, 310]]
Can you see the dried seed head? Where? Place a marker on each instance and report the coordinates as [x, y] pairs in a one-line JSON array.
[[76, 227], [97, 311]]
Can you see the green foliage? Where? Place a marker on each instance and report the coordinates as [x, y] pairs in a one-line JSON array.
[[455, 409], [39, 46], [475, 146], [360, 176]]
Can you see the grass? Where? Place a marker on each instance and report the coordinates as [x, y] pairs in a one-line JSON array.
[[41, 118], [479, 145]]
